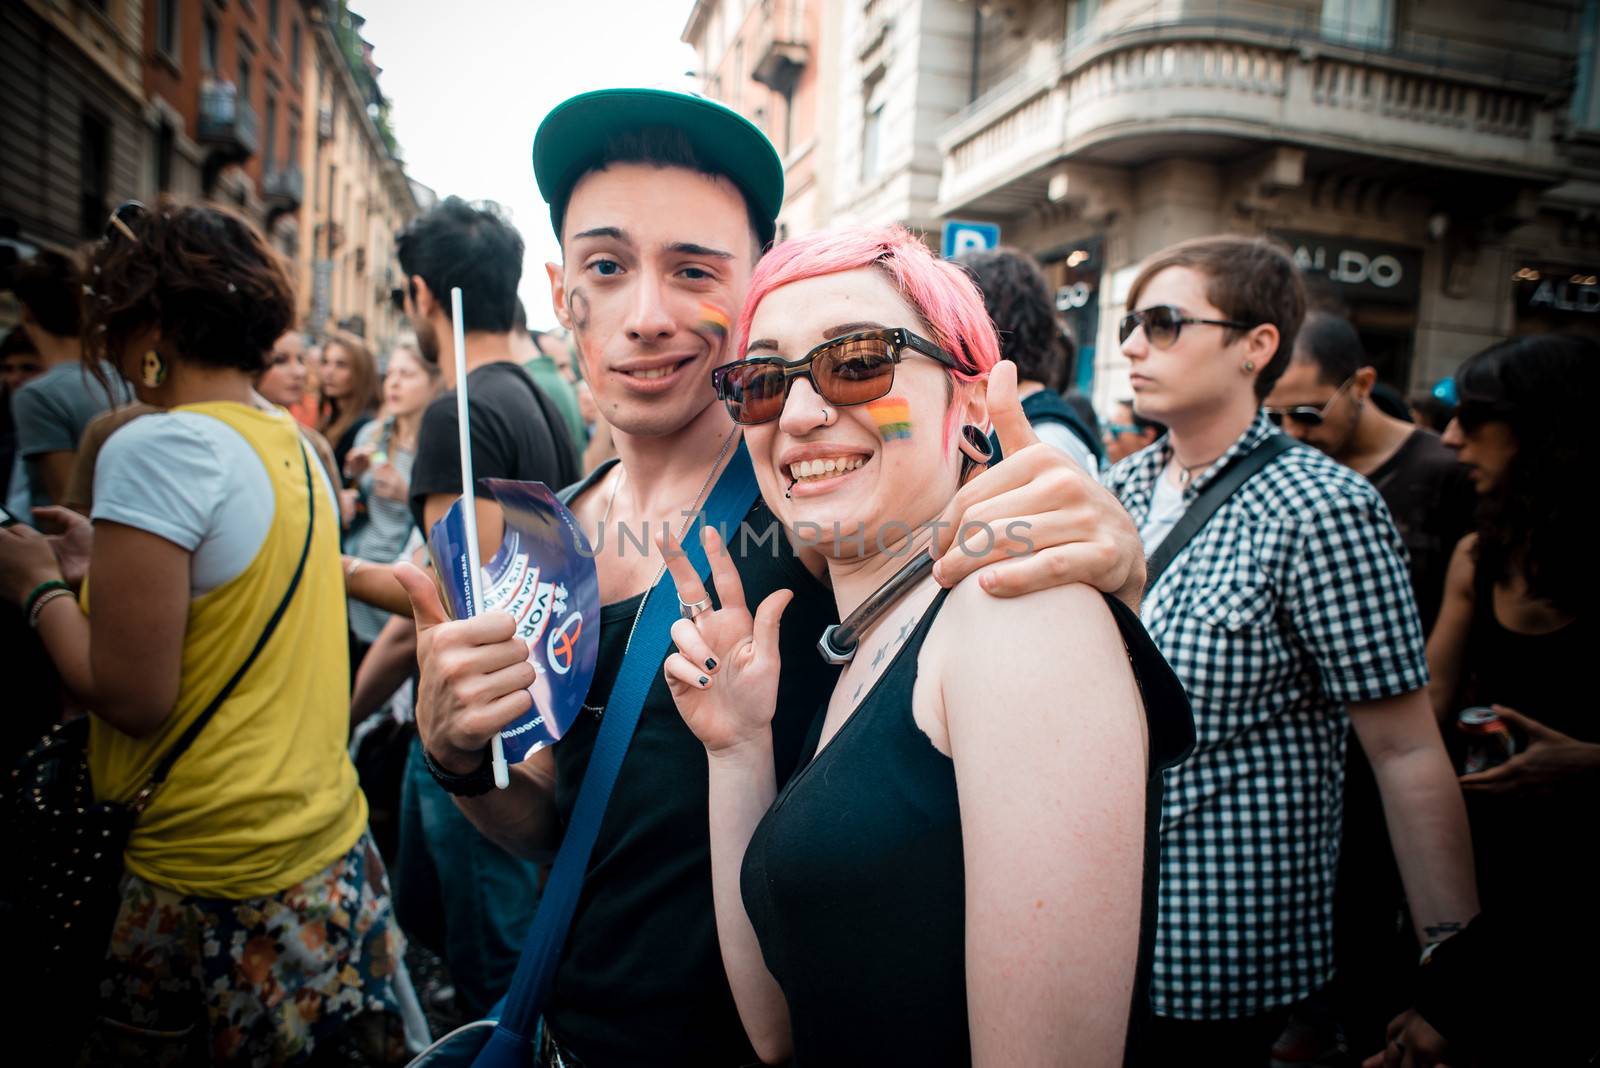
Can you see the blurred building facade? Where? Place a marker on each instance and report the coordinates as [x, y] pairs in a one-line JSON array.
[[269, 106], [771, 60], [1434, 167]]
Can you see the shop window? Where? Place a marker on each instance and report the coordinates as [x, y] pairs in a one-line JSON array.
[[1367, 23]]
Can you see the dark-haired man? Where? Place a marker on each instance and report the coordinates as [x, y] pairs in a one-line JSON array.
[[662, 202], [458, 892], [52, 409], [1325, 399], [1289, 617]]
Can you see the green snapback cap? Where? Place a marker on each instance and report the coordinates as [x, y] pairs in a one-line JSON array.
[[573, 137]]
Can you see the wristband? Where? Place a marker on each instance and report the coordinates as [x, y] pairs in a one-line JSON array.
[[43, 599], [29, 602], [472, 785]]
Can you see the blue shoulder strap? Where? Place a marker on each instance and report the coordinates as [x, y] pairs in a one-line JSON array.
[[512, 1041]]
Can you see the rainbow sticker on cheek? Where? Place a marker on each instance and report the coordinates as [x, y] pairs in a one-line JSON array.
[[893, 416]]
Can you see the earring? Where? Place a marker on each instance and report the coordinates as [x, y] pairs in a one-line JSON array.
[[1249, 366], [153, 369], [974, 444]]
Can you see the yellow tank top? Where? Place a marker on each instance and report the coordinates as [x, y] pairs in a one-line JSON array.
[[266, 795]]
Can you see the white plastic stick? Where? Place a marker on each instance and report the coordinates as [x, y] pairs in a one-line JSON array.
[[469, 507]]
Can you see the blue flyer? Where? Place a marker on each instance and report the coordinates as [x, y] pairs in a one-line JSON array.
[[543, 576]]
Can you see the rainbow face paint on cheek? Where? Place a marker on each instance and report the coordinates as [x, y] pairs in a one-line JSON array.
[[713, 321], [893, 418]]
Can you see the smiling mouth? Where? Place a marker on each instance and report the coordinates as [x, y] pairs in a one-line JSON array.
[[654, 373], [817, 470]]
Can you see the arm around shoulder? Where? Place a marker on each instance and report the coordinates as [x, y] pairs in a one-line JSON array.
[[1049, 744]]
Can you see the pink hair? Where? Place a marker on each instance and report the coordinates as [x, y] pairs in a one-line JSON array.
[[942, 294]]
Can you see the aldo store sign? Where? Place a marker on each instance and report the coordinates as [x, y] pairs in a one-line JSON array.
[[1363, 270]]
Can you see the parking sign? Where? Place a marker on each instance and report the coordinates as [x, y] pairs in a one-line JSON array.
[[960, 237]]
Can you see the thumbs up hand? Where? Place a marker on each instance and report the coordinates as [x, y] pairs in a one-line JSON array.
[[1036, 519]]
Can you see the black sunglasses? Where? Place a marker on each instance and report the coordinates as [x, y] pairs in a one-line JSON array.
[[853, 369], [1473, 414], [1307, 415], [1163, 323]]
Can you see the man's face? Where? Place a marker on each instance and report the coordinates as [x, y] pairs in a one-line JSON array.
[[1123, 437], [557, 350], [1302, 386], [645, 249], [1201, 371], [19, 368], [422, 327]]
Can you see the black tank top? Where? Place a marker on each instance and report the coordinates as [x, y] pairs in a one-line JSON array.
[[854, 880], [1525, 840]]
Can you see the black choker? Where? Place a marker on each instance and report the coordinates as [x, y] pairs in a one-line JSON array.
[[838, 643]]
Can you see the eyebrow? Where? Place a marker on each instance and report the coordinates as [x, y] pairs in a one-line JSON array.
[[827, 335], [683, 248], [689, 248]]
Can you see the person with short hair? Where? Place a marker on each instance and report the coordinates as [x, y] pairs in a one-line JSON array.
[[1128, 432], [1290, 619], [19, 363], [475, 923], [255, 924], [52, 410], [975, 820], [1324, 399], [663, 202], [1019, 302]]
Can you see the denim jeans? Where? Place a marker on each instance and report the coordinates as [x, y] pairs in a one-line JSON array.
[[458, 893]]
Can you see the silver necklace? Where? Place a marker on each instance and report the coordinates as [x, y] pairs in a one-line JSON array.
[[693, 511]]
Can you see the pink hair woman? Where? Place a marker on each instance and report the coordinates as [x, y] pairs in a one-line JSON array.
[[960, 872]]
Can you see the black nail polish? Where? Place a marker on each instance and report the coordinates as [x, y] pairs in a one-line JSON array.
[[704, 680], [711, 663]]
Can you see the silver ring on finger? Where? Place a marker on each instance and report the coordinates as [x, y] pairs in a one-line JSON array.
[[691, 610]]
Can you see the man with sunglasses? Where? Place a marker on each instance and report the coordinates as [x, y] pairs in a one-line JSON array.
[[663, 202], [1289, 617], [1323, 399]]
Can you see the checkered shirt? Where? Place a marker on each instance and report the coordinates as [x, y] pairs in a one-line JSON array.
[[1290, 603]]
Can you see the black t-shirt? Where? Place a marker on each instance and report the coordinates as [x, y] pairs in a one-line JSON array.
[[641, 980], [1431, 498], [517, 433]]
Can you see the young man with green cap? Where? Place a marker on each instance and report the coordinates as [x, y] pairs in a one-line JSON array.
[[663, 202]]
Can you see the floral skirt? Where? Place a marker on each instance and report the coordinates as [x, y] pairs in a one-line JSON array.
[[305, 975]]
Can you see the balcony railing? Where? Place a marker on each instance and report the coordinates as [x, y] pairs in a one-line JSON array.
[[1166, 78], [227, 123], [284, 187]]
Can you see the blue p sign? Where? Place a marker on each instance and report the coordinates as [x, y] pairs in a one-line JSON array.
[[960, 237]]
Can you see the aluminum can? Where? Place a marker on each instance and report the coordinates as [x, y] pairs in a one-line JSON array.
[[1490, 742]]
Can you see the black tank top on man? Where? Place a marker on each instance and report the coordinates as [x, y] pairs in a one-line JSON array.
[[854, 880], [641, 980]]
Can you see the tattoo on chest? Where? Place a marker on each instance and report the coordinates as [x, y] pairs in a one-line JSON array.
[[881, 652]]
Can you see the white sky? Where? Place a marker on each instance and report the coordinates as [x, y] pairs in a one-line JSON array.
[[469, 81]]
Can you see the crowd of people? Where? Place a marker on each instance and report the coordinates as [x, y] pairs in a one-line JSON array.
[[1156, 736]]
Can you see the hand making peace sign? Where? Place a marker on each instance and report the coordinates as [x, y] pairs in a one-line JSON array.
[[724, 676]]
